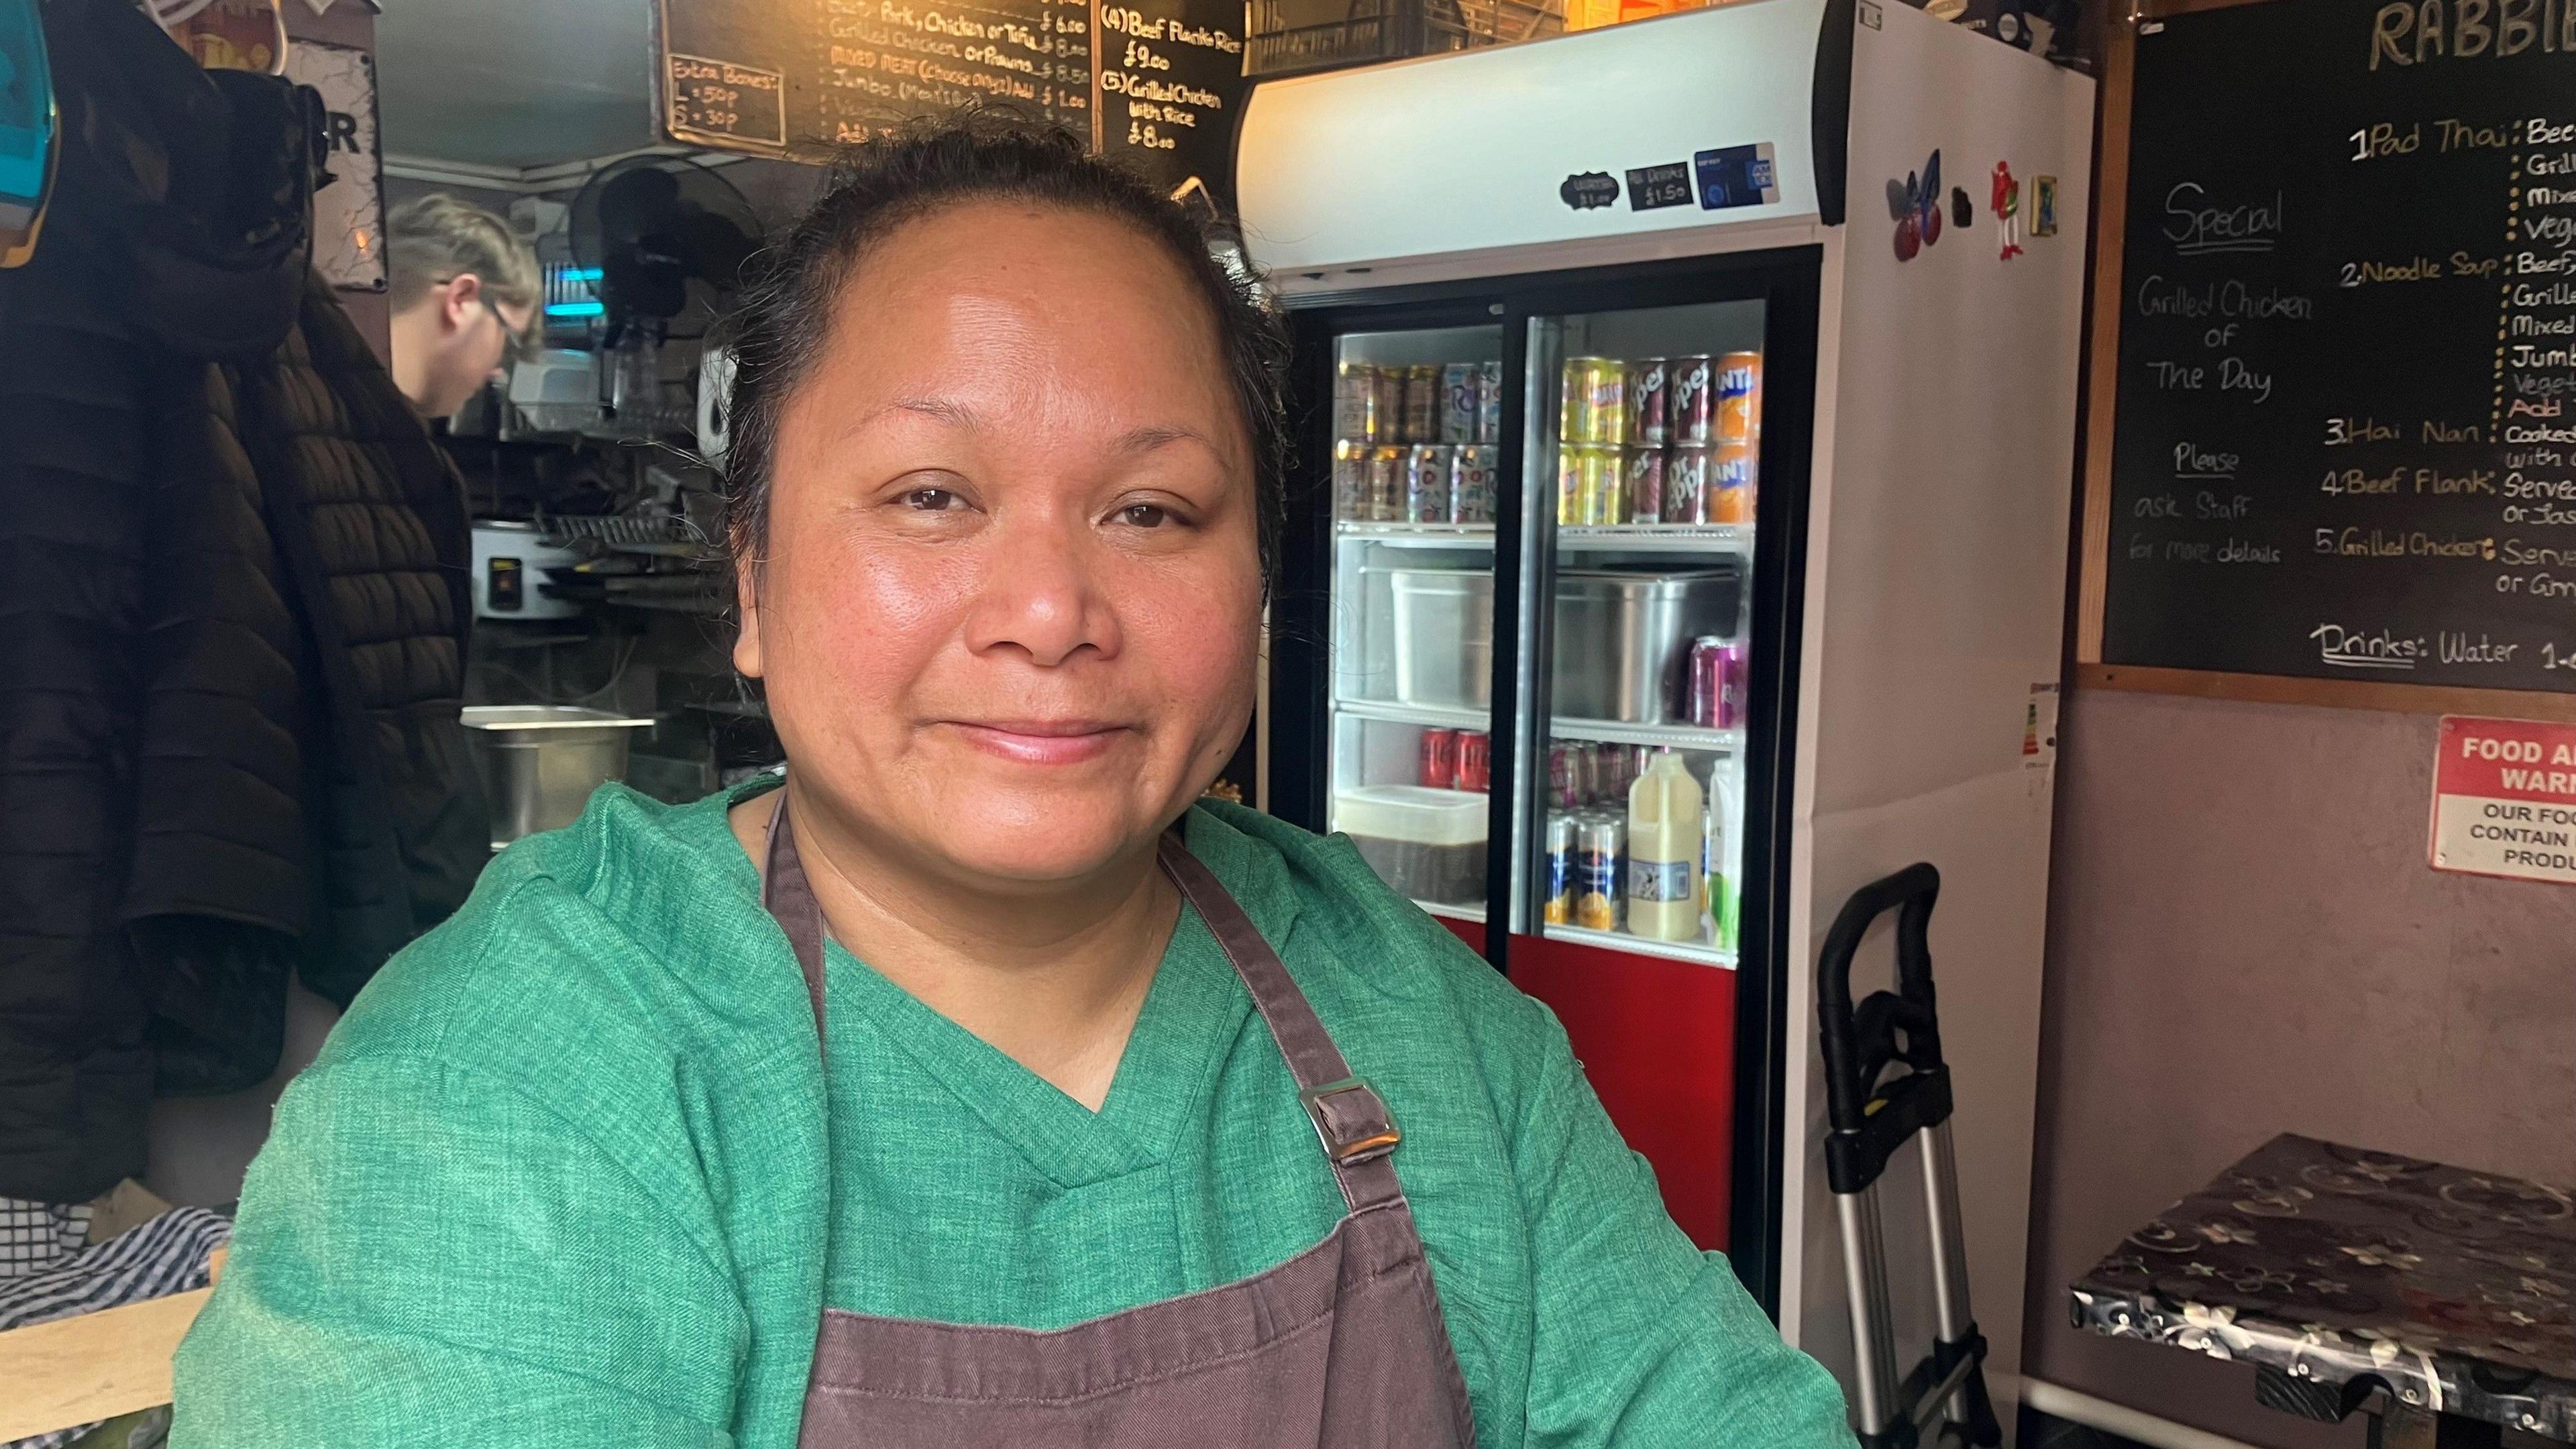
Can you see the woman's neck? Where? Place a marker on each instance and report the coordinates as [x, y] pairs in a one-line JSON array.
[[1052, 978]]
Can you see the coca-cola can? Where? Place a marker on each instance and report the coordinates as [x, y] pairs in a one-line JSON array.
[[1686, 483], [1691, 403], [1648, 421], [1475, 761], [1707, 680], [1643, 478], [1439, 759]]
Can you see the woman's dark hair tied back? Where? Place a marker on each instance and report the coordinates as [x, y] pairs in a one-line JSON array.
[[983, 154]]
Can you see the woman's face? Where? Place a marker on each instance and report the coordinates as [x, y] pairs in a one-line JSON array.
[[1012, 597]]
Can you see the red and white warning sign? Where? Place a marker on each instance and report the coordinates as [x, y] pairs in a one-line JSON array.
[[2504, 799]]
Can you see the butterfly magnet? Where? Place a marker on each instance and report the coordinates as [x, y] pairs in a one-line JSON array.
[[1915, 203]]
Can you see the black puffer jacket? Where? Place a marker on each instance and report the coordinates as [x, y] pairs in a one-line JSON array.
[[232, 573]]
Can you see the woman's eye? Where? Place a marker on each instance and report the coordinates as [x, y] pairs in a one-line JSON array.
[[933, 500], [1145, 515]]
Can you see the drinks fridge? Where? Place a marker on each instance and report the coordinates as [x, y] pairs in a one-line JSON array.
[[1673, 551]]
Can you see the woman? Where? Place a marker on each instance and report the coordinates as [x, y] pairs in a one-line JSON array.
[[941, 1096]]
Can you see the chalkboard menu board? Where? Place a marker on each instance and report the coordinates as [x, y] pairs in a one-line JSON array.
[[1157, 82], [2345, 378]]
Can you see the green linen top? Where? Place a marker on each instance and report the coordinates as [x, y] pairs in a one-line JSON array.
[[562, 1176]]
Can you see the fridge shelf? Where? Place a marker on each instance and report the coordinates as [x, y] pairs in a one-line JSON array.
[[1454, 912], [1680, 737], [1439, 716], [1699, 952], [1421, 535], [1657, 537]]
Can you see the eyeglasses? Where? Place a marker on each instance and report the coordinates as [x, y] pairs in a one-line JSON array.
[[514, 344]]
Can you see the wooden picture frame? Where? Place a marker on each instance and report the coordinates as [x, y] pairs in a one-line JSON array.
[[2101, 406]]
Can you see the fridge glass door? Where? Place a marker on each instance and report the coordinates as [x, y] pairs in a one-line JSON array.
[[1415, 418], [1643, 429]]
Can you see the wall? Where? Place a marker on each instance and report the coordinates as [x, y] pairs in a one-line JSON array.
[[2244, 939]]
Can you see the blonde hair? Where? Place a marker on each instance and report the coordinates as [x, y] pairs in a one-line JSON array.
[[436, 237]]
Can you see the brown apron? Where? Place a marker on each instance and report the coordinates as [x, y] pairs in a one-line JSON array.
[[1340, 1347]]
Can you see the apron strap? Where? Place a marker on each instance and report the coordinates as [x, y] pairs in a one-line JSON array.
[[1351, 1120], [789, 897]]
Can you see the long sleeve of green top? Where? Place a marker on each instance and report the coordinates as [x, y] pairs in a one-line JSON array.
[[571, 1172]]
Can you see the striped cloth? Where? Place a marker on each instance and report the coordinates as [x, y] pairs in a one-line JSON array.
[[36, 1235], [164, 1256]]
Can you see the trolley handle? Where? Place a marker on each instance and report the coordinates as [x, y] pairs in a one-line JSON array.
[[1861, 1041]]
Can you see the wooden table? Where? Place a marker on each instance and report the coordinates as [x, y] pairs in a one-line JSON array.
[[2441, 1301]]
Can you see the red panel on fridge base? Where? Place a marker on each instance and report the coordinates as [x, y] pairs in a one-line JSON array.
[[1657, 1039], [1471, 932]]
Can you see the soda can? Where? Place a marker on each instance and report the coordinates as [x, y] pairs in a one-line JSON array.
[[1355, 399], [1687, 470], [1561, 784], [1489, 402], [1739, 397], [1735, 686], [1386, 484], [1642, 476], [1461, 392], [1439, 769], [1426, 483], [1572, 507], [1557, 902], [1350, 479], [1648, 422], [1707, 680], [1475, 761], [1471, 483], [1607, 501], [1609, 407], [1422, 404], [1387, 412], [1730, 483], [1689, 403], [1600, 851], [1593, 410]]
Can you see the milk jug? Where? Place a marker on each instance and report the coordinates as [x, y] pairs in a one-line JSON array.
[[1664, 846]]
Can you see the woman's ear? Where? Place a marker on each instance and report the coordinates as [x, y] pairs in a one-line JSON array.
[[746, 644]]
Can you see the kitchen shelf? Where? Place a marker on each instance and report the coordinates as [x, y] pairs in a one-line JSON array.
[[1680, 737], [1454, 912], [1441, 716], [1657, 537], [1420, 535], [1695, 951]]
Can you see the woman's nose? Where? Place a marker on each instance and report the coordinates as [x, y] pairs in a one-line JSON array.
[[1041, 595]]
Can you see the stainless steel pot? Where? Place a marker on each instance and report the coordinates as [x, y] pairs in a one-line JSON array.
[[1444, 637], [1623, 640], [540, 762]]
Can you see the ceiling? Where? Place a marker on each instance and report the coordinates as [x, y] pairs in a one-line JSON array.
[[514, 84]]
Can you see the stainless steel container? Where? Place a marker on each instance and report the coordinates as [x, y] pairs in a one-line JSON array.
[[540, 762], [1444, 637], [1623, 640]]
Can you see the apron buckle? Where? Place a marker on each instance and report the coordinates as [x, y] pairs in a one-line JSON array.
[[1351, 1120]]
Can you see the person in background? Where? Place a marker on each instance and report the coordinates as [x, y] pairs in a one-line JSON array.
[[465, 293]]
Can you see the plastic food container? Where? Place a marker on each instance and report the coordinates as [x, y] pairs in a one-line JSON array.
[[1444, 637], [540, 762], [1623, 640], [1427, 843]]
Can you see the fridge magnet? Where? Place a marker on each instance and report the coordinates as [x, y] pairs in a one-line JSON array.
[[1963, 212], [1588, 189], [2043, 206], [1653, 186], [2005, 199], [1736, 176], [1916, 204]]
